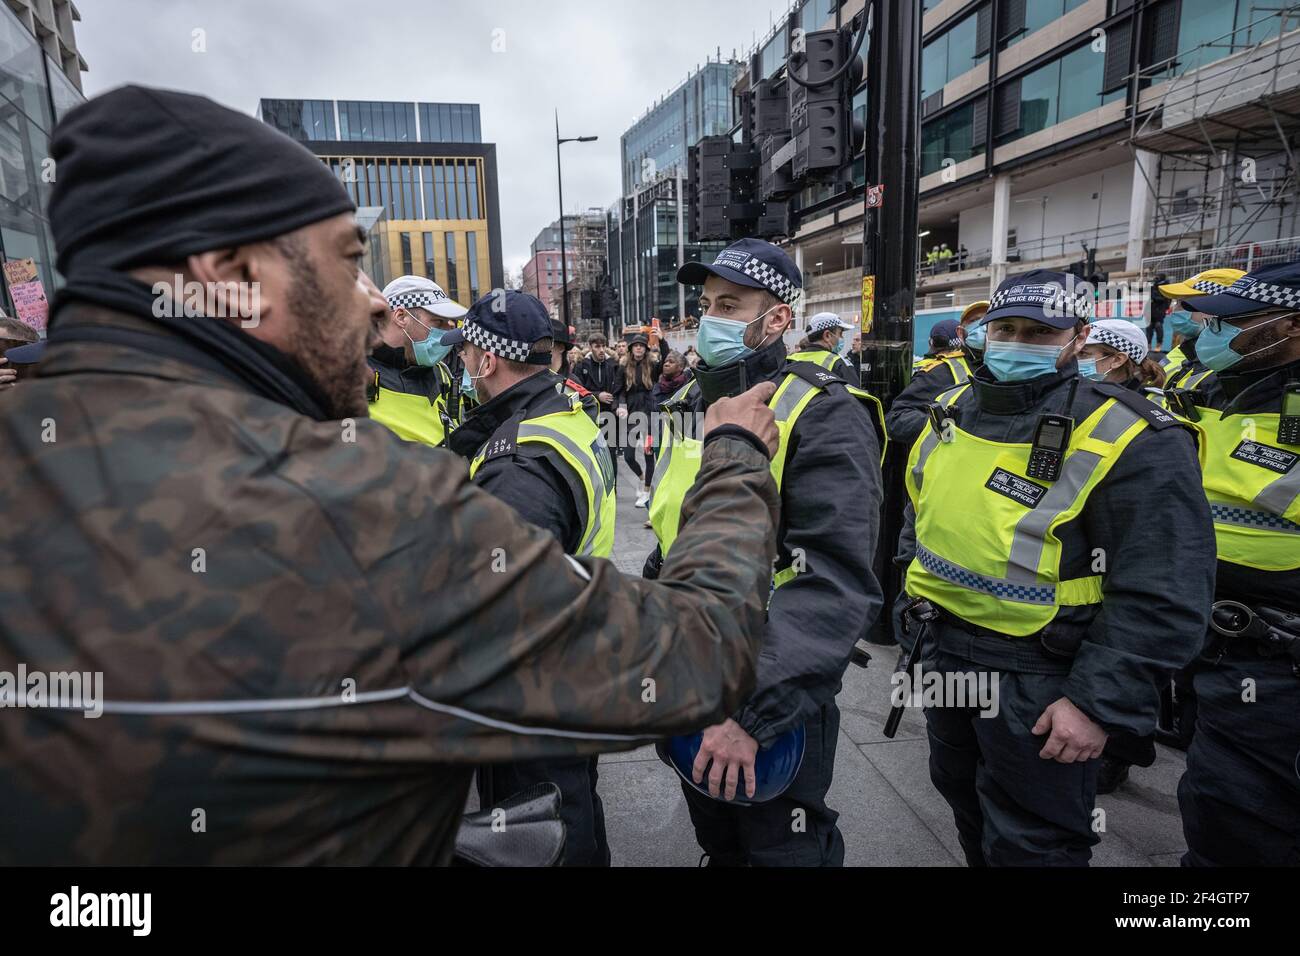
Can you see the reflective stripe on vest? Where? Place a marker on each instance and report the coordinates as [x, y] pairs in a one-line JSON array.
[[578, 441], [1252, 482], [679, 460], [409, 416], [995, 560], [817, 356]]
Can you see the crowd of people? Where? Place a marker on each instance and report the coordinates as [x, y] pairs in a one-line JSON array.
[[337, 562]]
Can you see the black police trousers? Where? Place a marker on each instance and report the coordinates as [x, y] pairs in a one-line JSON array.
[[1240, 796], [583, 814], [1011, 807], [795, 829]]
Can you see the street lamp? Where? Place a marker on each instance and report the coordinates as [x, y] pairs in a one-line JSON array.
[[564, 259]]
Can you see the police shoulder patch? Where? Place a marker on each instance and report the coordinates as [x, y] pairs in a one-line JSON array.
[[814, 374], [504, 441]]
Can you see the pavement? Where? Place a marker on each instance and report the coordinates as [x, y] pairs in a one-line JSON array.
[[890, 813]]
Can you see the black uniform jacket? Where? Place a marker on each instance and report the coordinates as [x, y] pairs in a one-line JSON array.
[[1156, 598], [830, 513]]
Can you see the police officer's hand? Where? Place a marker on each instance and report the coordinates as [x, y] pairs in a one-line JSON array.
[[8, 376], [748, 410], [732, 751], [605, 397], [1074, 736]]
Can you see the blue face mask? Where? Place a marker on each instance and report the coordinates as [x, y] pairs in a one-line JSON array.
[[843, 346], [1183, 324], [1018, 362], [722, 341], [431, 351], [976, 338], [1213, 347], [467, 385]]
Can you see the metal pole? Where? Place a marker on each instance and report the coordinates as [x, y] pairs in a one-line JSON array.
[[564, 260], [681, 247], [889, 248]]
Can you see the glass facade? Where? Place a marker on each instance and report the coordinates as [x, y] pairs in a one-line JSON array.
[[33, 93], [452, 288], [948, 137], [471, 253], [1040, 13], [430, 260], [304, 120], [365, 121], [699, 107], [949, 56], [1223, 26], [816, 14], [415, 188], [450, 123], [1062, 90]]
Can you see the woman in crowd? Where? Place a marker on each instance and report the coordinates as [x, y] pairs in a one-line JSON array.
[[636, 403]]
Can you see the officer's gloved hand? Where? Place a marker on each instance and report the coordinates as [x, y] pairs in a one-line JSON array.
[[653, 565]]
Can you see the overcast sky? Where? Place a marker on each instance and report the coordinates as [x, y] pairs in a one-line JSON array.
[[601, 63]]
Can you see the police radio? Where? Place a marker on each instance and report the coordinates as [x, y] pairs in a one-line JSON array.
[[1288, 426], [1051, 438]]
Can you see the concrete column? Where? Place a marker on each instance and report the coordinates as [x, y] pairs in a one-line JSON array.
[[1142, 204], [1001, 221]]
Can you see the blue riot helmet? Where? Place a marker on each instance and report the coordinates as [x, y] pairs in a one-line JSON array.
[[775, 767]]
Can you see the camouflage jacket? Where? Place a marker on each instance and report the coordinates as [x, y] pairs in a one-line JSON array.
[[308, 632]]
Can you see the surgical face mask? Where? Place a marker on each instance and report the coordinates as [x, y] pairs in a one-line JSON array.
[[976, 338], [1018, 362], [722, 341], [467, 380], [430, 351], [1213, 347], [1183, 324], [842, 347]]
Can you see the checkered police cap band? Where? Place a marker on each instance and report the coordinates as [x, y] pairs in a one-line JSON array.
[[417, 300], [1265, 292], [1117, 342], [1076, 306], [773, 281], [498, 345], [1206, 287]]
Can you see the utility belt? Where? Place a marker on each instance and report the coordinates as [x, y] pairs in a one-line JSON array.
[[1058, 642], [1264, 631]]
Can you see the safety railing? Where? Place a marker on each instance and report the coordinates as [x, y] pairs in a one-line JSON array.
[[1246, 256]]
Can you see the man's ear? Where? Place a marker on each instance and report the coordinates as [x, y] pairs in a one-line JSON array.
[[1291, 325], [231, 279], [778, 320]]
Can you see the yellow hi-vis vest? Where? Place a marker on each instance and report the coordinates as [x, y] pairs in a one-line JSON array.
[[679, 456], [956, 362], [410, 415], [1252, 482], [818, 357], [986, 544], [576, 439]]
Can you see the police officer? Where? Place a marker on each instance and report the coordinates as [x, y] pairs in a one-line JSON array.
[[1240, 796], [1181, 366], [1047, 580], [533, 445], [949, 365], [827, 345], [413, 390], [824, 592]]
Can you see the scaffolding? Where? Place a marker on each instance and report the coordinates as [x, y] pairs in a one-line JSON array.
[[1219, 124]]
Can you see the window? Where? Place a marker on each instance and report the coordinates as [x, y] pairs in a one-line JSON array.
[[430, 265], [439, 191], [471, 250], [460, 191], [951, 136], [473, 190], [1037, 14], [426, 174], [398, 210], [952, 54], [411, 197], [817, 13], [408, 266], [1062, 90], [453, 286]]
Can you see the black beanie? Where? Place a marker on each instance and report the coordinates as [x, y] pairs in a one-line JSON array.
[[148, 177]]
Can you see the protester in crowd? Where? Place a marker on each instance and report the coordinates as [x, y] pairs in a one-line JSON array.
[[636, 403], [304, 625]]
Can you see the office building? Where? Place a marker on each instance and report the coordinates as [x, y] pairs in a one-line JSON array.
[[426, 166]]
